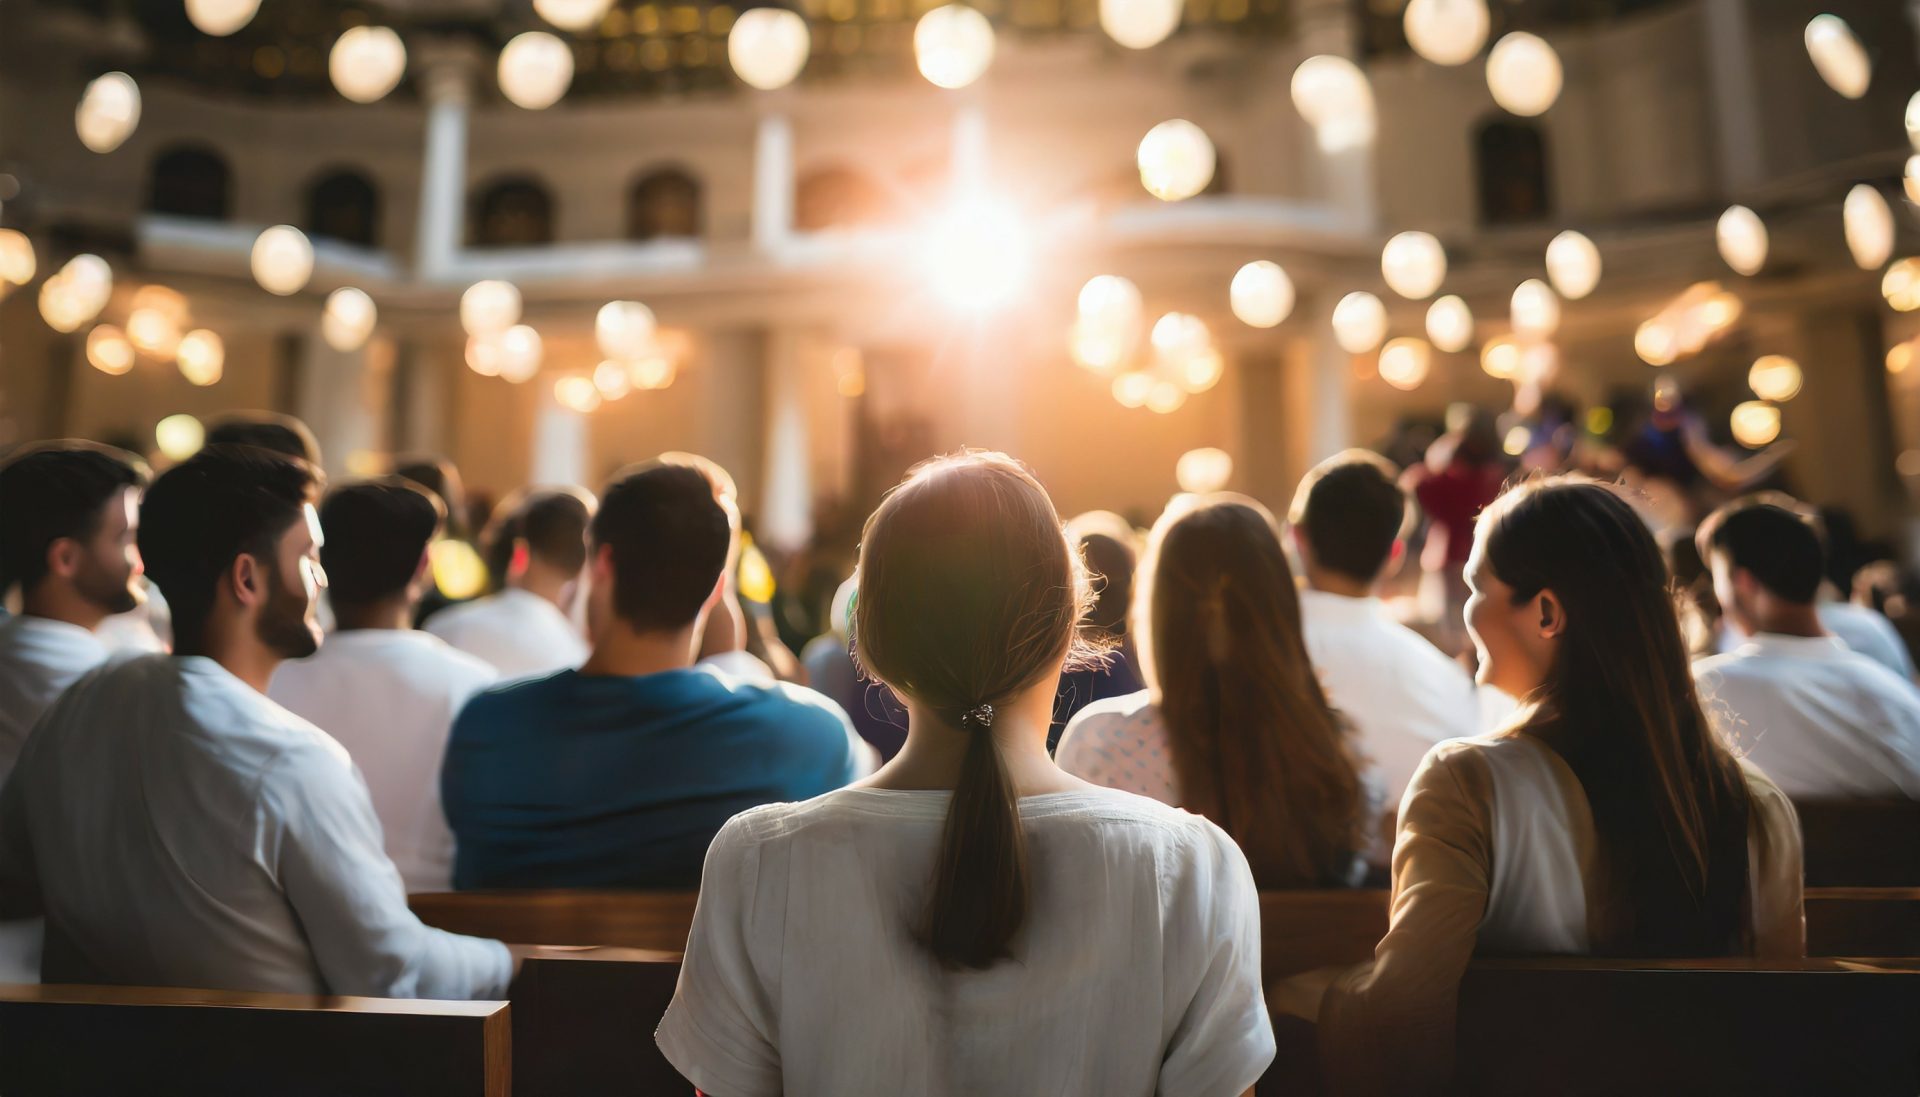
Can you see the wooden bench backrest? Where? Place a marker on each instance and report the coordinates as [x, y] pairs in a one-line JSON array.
[[1861, 843], [1574, 1028], [57, 1041], [625, 919], [583, 1024]]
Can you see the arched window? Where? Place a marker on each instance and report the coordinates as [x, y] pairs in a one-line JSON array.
[[343, 205], [838, 198], [1511, 158], [191, 181], [665, 204], [514, 212]]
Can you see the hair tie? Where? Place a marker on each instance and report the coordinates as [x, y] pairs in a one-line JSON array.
[[981, 717]]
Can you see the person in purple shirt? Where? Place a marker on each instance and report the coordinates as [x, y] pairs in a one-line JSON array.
[[620, 773]]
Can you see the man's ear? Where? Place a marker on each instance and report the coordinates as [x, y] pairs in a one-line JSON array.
[[63, 557], [246, 580], [521, 560], [1299, 538], [1553, 615]]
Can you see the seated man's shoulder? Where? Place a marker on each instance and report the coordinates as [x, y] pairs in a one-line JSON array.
[[515, 699]]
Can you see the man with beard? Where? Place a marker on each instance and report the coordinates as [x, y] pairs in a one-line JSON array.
[[68, 512], [175, 826], [68, 515]]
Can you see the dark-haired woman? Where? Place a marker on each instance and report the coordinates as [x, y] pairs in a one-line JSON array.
[[1234, 724], [971, 920], [1605, 819]]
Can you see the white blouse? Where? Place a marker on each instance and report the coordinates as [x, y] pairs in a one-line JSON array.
[[1137, 971]]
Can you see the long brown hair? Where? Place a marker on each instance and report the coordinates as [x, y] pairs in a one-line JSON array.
[[1669, 802], [1255, 745], [969, 595]]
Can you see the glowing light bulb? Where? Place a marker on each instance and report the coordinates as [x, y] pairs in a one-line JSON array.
[[1110, 300], [612, 379], [221, 17], [17, 263], [1165, 398], [624, 330], [348, 320], [282, 260], [1657, 343], [953, 45], [1333, 95], [520, 352], [1869, 226], [1450, 324], [202, 357], [1404, 362], [179, 437], [1536, 309], [1838, 56], [489, 307], [1101, 348], [1500, 358], [109, 111], [1203, 471], [1910, 178], [1139, 24], [657, 373], [1131, 389], [154, 332], [1414, 264], [1202, 369], [1742, 238], [1900, 356], [1446, 32], [1913, 121], [1178, 334], [1901, 285], [1359, 322], [1573, 265], [1755, 423], [1775, 377], [535, 70], [768, 47], [1524, 74], [109, 351], [1176, 160], [576, 393], [573, 15], [483, 355], [366, 63], [1261, 295], [86, 281]]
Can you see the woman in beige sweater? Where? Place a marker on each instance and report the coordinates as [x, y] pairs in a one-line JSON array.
[[1605, 819]]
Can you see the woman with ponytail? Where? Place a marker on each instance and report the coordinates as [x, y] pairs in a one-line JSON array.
[[971, 919], [1233, 724], [1605, 819]]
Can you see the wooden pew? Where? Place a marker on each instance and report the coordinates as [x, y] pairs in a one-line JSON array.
[[1863, 921], [84, 1041], [583, 1023], [1592, 1027], [628, 919], [1861, 843]]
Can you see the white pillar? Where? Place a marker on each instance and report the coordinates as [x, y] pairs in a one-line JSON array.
[[970, 149], [447, 85], [1736, 101], [559, 443], [772, 182], [786, 508], [343, 398]]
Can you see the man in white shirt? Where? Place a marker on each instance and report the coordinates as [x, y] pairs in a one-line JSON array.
[[537, 551], [1867, 631], [175, 826], [1402, 694], [1823, 721], [68, 516], [383, 690]]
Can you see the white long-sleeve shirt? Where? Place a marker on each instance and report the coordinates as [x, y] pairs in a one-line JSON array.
[[177, 828], [39, 659], [519, 633], [389, 696]]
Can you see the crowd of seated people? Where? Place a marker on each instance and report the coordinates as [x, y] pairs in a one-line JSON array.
[[992, 904]]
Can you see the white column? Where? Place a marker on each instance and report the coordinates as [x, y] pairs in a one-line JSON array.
[[343, 398], [970, 149], [559, 443], [447, 85], [1736, 101], [772, 182], [786, 507]]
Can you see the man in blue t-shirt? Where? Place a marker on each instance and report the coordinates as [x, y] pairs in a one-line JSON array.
[[620, 773]]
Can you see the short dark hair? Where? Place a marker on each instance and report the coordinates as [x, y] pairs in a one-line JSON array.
[[439, 476], [202, 514], [375, 534], [55, 490], [1778, 545], [283, 434], [669, 538], [552, 521], [1351, 509]]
